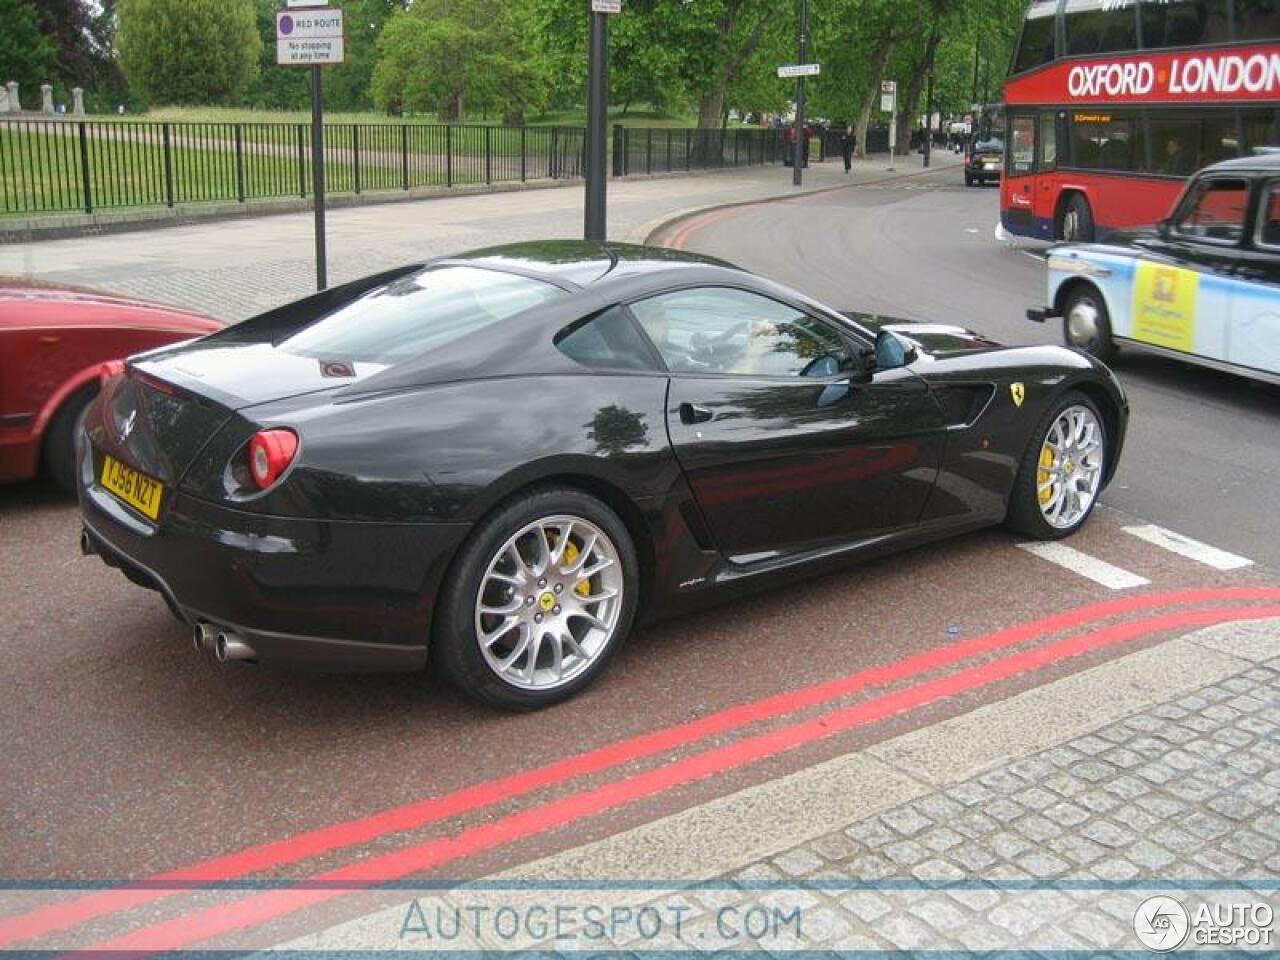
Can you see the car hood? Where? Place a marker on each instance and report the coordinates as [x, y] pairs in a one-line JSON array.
[[932, 339]]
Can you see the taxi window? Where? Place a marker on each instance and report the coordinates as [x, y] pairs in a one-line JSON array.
[[1269, 217], [1214, 211]]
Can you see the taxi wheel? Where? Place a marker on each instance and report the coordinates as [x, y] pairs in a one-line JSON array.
[[59, 454], [540, 598], [1086, 325], [968, 180]]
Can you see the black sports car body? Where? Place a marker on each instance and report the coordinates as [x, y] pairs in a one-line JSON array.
[[498, 460]]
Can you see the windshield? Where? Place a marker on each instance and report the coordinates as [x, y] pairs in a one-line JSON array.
[[420, 312], [994, 143]]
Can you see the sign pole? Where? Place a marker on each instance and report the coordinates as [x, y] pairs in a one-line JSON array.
[[317, 172], [597, 118], [797, 163]]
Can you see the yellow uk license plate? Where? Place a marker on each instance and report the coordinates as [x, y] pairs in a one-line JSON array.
[[133, 487]]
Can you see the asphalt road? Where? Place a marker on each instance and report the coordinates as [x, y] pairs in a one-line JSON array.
[[1203, 452]]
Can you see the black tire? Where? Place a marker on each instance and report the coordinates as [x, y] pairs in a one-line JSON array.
[[1085, 308], [1075, 225], [1024, 515], [455, 647], [968, 180], [59, 448]]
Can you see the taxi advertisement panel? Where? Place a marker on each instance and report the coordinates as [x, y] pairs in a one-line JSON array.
[[1164, 306]]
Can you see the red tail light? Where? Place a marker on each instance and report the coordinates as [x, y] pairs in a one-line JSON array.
[[270, 453]]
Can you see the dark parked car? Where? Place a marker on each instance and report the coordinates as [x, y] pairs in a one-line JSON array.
[[500, 460], [984, 161], [1202, 286]]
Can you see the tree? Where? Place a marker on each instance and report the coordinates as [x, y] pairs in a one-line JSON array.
[[346, 86], [81, 34], [442, 55], [26, 55], [189, 51]]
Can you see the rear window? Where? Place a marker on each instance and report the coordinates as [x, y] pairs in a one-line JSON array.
[[423, 311]]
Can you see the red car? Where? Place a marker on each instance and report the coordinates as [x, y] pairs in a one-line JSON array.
[[53, 343]]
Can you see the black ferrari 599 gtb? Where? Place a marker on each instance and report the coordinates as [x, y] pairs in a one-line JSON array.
[[497, 462]]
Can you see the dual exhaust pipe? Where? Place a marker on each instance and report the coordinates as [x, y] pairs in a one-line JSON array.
[[224, 644]]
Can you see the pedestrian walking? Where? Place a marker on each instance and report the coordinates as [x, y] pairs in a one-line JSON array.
[[848, 143]]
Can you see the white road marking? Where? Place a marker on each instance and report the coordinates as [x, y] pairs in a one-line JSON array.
[[1037, 257], [1099, 571], [1191, 549]]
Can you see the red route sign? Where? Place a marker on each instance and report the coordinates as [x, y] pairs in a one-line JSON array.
[[1234, 74]]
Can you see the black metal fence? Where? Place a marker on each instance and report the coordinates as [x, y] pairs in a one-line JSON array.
[[62, 166], [51, 166], [664, 150]]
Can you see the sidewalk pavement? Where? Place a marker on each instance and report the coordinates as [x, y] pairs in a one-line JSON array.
[[1042, 822], [233, 269]]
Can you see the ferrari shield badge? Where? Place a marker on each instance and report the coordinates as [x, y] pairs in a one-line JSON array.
[[1018, 392]]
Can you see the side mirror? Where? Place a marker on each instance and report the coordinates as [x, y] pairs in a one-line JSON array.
[[1164, 228], [892, 351]]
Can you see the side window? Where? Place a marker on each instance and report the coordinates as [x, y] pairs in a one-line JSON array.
[[1184, 23], [1175, 145], [1022, 145], [1257, 20], [1036, 46], [607, 341], [1269, 217], [720, 330], [1214, 210], [1048, 141], [1100, 26]]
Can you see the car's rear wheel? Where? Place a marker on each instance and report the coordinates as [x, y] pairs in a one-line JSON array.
[[1061, 472], [1086, 324], [541, 597], [59, 448], [968, 179]]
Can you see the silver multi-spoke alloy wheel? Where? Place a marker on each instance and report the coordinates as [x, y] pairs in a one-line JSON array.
[[1070, 467], [549, 602]]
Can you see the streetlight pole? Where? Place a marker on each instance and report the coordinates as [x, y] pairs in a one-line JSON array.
[[597, 118], [797, 163]]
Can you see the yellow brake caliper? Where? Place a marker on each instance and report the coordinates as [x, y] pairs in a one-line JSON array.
[[570, 557], [1043, 476]]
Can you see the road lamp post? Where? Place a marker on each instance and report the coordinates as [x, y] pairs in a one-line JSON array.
[[797, 163], [597, 109]]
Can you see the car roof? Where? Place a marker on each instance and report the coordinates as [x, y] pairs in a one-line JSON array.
[[577, 264], [1258, 163]]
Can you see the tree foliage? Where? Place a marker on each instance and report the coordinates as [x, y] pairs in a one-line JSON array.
[[447, 55], [189, 51], [26, 55]]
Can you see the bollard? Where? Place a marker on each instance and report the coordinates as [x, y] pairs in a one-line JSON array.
[[14, 104], [46, 98], [77, 101]]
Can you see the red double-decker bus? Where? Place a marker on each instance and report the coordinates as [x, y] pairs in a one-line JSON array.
[[1112, 104]]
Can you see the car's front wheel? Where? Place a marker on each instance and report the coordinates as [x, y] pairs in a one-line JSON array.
[[541, 597], [1086, 325], [1062, 470]]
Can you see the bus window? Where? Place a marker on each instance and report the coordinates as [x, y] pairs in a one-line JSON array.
[[1175, 145], [1219, 138], [1261, 128], [1101, 141], [1184, 23], [1100, 26], [1215, 210], [1257, 20], [1036, 48], [1022, 145], [1048, 142]]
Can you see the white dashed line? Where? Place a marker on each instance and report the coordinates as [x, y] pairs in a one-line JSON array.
[[1191, 549], [1099, 571]]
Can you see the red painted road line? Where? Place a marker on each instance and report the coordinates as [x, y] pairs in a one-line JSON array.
[[253, 910], [681, 234], [313, 843]]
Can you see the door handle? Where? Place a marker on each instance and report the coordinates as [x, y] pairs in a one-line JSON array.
[[691, 413]]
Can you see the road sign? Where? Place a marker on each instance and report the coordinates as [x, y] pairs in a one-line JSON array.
[[606, 6], [311, 37], [800, 70], [294, 4], [889, 96]]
